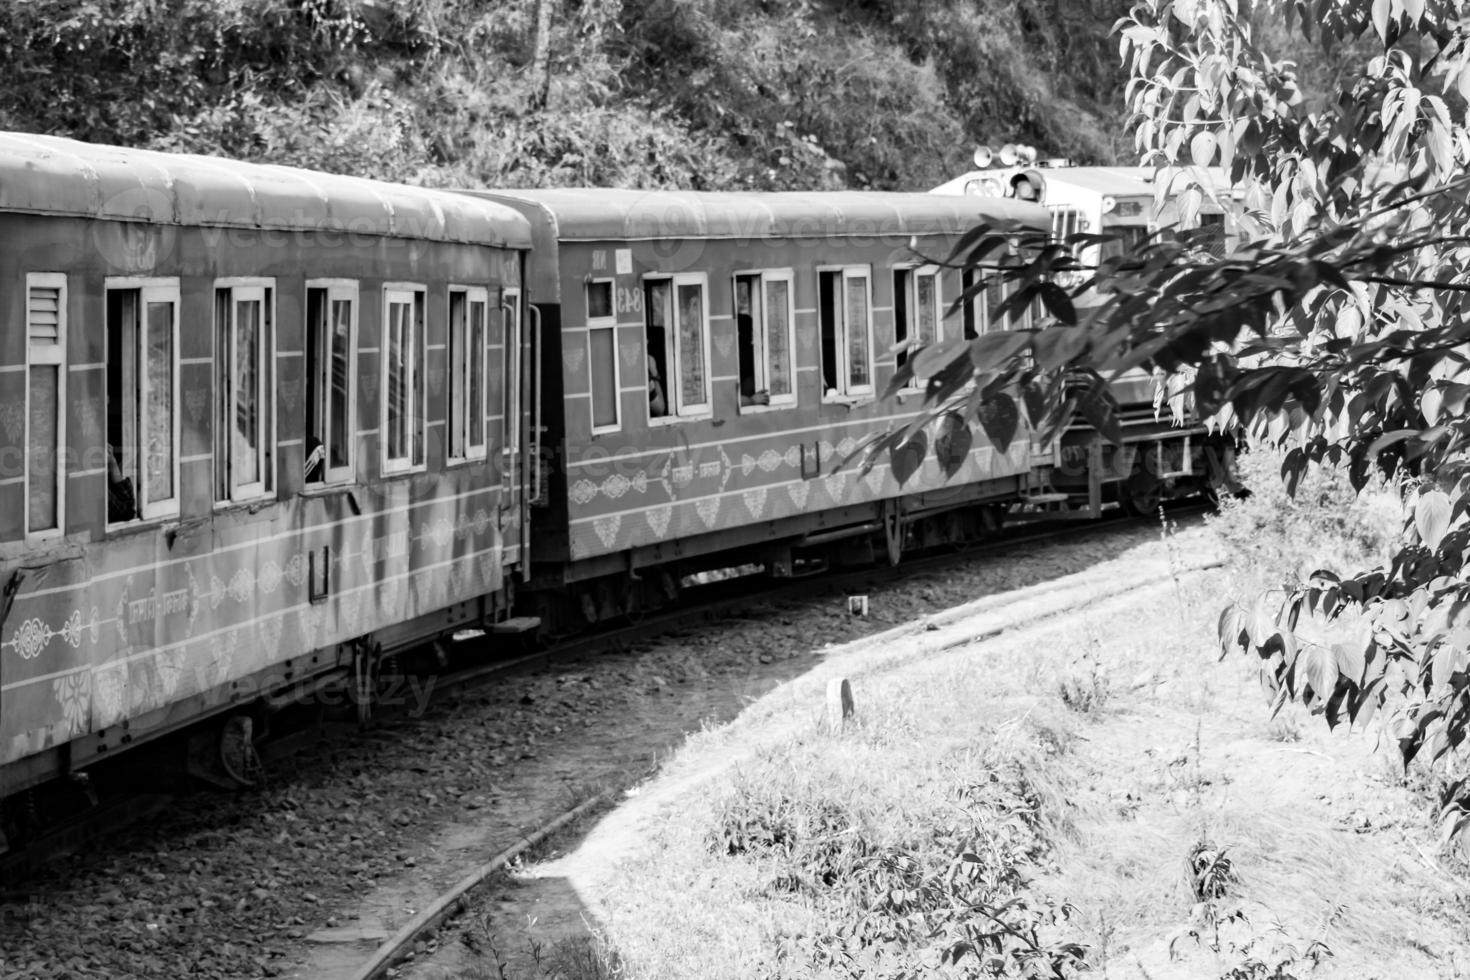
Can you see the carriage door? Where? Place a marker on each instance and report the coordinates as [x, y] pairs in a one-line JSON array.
[[513, 510]]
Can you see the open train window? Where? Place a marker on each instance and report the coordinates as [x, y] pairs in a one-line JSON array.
[[142, 399], [468, 309], [45, 416], [244, 358], [602, 365], [676, 330], [917, 310], [331, 381], [845, 312], [403, 354], [765, 331]]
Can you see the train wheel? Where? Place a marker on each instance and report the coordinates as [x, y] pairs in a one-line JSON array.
[[237, 755], [1141, 494]]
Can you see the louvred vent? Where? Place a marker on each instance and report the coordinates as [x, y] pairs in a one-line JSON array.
[[43, 315]]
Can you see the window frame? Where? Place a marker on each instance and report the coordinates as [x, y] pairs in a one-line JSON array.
[[911, 272], [460, 416], [674, 349], [846, 390], [149, 289], [262, 289], [54, 356], [349, 289], [763, 363], [417, 431], [610, 324]]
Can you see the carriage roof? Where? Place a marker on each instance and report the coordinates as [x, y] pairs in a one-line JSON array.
[[56, 176], [594, 214]]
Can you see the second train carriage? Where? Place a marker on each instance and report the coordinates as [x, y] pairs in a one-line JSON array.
[[710, 359], [259, 426]]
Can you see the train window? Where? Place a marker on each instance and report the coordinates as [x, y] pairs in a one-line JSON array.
[[45, 398], [600, 299], [1066, 222], [917, 309], [468, 308], [331, 381], [764, 325], [978, 316], [403, 354], [142, 399], [602, 365], [847, 331], [244, 435], [677, 335]]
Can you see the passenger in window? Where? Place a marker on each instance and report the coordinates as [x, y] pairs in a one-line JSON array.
[[122, 503], [316, 459], [745, 337], [657, 405]]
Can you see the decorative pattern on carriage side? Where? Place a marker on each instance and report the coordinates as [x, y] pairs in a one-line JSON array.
[[658, 519], [607, 529], [755, 501], [572, 356], [13, 419]]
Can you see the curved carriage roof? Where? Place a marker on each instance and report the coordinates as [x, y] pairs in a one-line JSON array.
[[591, 214], [52, 175]]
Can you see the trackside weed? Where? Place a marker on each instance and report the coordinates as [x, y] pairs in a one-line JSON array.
[[946, 891]]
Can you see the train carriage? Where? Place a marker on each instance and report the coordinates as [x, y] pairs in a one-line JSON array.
[[710, 358], [260, 427]]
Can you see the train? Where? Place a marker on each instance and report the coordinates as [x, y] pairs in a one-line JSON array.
[[266, 429]]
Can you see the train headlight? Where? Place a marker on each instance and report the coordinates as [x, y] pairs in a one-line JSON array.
[[984, 186]]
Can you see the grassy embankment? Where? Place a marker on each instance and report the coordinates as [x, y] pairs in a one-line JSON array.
[[1091, 791]]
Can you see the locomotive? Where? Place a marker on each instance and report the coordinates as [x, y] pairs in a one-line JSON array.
[[1164, 453], [266, 428]]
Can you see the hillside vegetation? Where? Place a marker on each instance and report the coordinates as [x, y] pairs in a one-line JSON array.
[[712, 94]]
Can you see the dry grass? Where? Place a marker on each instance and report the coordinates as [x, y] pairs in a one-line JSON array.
[[1311, 857]]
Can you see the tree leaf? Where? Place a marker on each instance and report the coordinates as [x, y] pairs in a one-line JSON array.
[[1202, 148], [1349, 661], [999, 417], [1380, 19], [1432, 517], [952, 442], [906, 458]]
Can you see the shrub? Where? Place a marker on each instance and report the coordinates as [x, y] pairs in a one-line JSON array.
[[1276, 540]]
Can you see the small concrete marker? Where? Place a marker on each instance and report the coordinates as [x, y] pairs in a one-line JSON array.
[[839, 703], [857, 605]]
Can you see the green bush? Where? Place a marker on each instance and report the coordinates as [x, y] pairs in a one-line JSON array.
[[1277, 540]]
